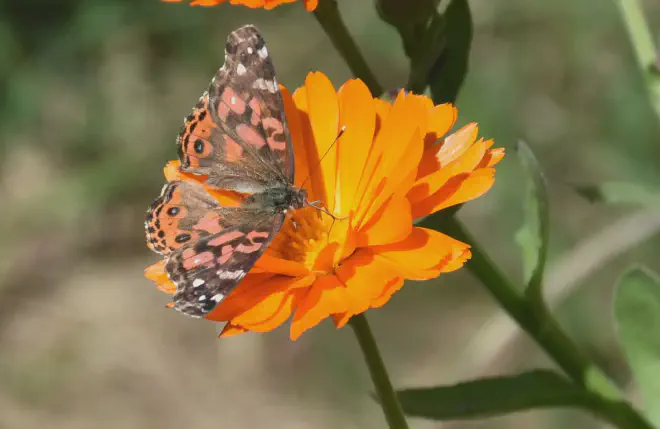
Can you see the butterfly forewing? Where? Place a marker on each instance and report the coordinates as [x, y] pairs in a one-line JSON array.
[[237, 134]]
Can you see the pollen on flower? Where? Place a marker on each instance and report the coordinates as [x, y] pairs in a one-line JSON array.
[[303, 237]]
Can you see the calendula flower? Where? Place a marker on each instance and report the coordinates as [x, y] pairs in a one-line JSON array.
[[392, 164], [266, 4]]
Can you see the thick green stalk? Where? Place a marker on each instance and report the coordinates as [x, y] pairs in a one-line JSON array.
[[388, 399], [327, 14], [536, 320], [641, 39]]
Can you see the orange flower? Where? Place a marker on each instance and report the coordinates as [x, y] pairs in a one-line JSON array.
[[390, 166], [266, 4]]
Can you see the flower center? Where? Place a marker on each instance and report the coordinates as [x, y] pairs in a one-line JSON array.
[[311, 238]]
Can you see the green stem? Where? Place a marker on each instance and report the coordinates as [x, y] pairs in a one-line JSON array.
[[536, 320], [431, 48], [327, 14], [641, 39], [388, 399]]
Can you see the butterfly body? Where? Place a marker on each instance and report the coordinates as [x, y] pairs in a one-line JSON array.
[[235, 139]]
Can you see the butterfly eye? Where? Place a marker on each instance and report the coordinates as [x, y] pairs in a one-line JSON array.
[[199, 146], [173, 211]]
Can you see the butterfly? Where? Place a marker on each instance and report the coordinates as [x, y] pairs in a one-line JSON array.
[[235, 139]]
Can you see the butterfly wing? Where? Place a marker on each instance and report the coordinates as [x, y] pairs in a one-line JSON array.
[[237, 134], [183, 213], [208, 248], [209, 269]]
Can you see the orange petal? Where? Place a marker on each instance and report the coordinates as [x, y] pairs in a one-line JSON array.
[[172, 173], [422, 255], [392, 223], [393, 286], [157, 273], [441, 118], [297, 136], [306, 156], [457, 190], [269, 263], [492, 158], [250, 290], [310, 5], [325, 297], [266, 312], [396, 149], [365, 278], [358, 116], [231, 330], [400, 180], [323, 110], [432, 183]]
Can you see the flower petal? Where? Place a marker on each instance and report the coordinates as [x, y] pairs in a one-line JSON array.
[[392, 223], [393, 286], [269, 263], [231, 330], [296, 133], [457, 190], [325, 297], [395, 152], [261, 302], [323, 110], [157, 273], [441, 118], [421, 255], [365, 278], [358, 120]]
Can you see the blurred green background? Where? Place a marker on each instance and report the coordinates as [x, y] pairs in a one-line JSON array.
[[93, 93]]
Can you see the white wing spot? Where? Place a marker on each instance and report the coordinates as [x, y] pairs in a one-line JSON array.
[[202, 298], [250, 50], [272, 87], [263, 52], [217, 297], [196, 261], [240, 69], [198, 282], [231, 275]]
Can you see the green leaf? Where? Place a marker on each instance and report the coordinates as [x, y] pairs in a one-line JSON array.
[[620, 193], [447, 74], [637, 314], [488, 397], [533, 234]]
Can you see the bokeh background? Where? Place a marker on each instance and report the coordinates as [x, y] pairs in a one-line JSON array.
[[93, 93]]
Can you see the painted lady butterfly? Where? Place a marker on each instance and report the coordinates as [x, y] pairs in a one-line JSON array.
[[238, 138]]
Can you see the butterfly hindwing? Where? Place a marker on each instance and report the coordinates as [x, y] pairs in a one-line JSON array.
[[237, 134], [183, 213], [208, 270]]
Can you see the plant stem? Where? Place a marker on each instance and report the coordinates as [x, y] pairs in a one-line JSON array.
[[536, 320], [641, 39], [327, 14], [431, 47], [388, 399]]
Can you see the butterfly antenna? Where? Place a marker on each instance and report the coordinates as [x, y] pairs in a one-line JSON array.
[[324, 155]]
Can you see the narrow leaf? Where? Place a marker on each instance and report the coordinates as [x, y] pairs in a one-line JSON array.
[[533, 234], [447, 74], [620, 193], [637, 314], [487, 397]]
